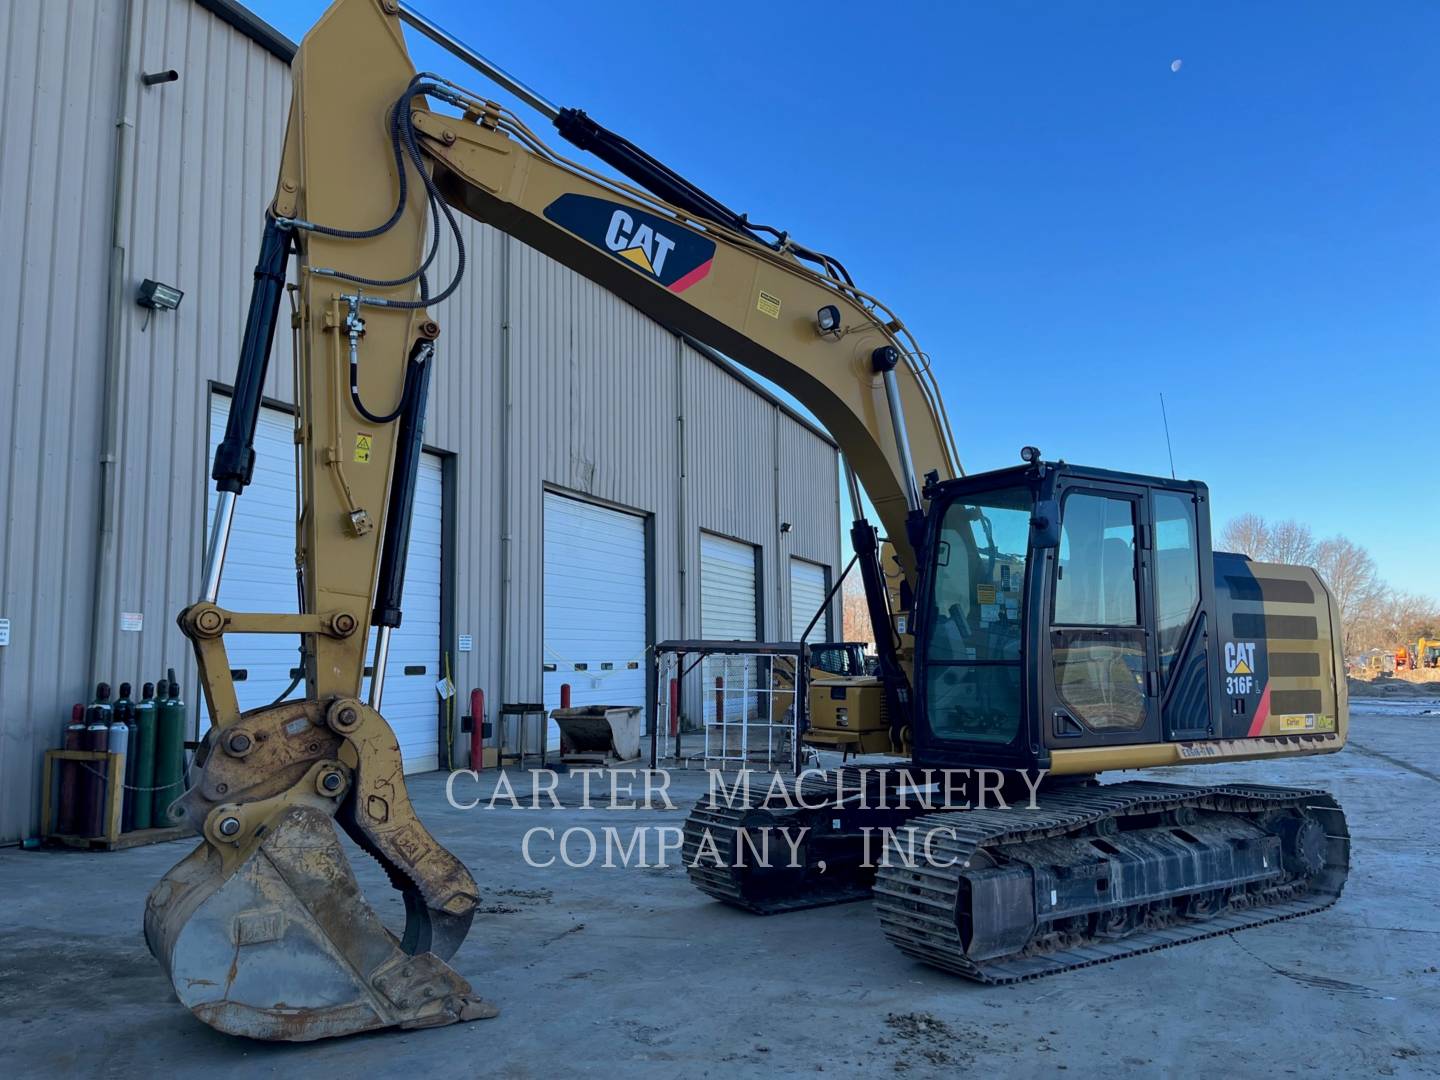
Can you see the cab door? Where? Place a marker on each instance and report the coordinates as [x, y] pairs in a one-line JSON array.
[[1099, 668]]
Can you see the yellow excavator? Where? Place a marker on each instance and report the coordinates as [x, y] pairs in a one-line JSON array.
[[1054, 622], [1427, 653]]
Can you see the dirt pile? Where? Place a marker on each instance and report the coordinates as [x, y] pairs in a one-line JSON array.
[[1424, 684]]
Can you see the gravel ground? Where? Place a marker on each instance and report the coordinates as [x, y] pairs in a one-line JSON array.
[[597, 969]]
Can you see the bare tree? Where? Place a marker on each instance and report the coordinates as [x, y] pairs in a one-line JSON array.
[[854, 615], [1403, 618], [1290, 542], [1349, 572], [1247, 534], [1373, 616]]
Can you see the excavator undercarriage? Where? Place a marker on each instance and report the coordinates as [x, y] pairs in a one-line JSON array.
[[1081, 874]]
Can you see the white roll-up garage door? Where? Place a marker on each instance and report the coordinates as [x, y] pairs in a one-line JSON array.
[[260, 576], [411, 704], [727, 589], [809, 582], [727, 613], [596, 604]]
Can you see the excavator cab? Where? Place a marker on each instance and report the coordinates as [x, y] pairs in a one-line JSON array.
[[1077, 619], [1067, 621]]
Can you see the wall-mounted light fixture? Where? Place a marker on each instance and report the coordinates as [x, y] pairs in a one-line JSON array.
[[785, 526], [157, 296]]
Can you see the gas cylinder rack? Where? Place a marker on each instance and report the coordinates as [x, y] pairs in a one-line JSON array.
[[121, 765]]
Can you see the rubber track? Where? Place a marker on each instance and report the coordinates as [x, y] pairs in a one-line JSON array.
[[917, 905]]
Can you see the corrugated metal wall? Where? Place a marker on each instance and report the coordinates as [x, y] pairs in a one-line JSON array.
[[58, 73], [198, 172], [544, 380], [807, 475]]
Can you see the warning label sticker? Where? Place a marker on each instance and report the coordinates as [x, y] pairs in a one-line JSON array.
[[362, 448], [1306, 722], [985, 594], [768, 304]]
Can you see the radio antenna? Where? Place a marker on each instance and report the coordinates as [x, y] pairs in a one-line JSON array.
[[1168, 448]]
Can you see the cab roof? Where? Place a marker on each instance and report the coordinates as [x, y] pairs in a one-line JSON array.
[[1063, 470]]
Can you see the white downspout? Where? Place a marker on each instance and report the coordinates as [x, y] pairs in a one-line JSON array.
[[118, 293]]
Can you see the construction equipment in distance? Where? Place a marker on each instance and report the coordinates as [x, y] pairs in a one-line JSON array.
[[847, 703], [1427, 653], [1048, 617]]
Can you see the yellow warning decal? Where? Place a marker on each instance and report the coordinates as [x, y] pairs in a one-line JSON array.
[[985, 594], [362, 448], [768, 305]]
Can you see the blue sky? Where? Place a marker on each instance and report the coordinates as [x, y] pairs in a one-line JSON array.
[[1069, 226]]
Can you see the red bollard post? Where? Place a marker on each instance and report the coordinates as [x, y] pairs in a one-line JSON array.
[[477, 729], [720, 699], [565, 695], [674, 707]]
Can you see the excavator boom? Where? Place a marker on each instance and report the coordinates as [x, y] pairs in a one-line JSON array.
[[262, 928]]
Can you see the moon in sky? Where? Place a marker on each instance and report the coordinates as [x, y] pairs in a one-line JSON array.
[[1175, 65]]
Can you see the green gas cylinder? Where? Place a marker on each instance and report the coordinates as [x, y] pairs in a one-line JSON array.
[[169, 751], [144, 758]]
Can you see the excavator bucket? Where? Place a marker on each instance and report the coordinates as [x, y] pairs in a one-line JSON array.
[[299, 952], [263, 928]]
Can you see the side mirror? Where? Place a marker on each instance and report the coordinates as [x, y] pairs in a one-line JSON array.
[[1045, 524]]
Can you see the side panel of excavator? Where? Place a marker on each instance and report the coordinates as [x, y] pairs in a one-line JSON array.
[[1280, 668], [848, 714]]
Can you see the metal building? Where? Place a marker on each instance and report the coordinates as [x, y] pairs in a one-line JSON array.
[[595, 483]]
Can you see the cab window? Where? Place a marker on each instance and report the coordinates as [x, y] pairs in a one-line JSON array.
[[1098, 648], [974, 636], [1177, 572], [1095, 584]]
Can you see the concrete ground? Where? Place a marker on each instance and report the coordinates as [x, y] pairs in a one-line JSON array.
[[602, 969]]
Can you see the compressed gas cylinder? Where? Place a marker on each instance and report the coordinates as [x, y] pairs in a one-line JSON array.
[[92, 773], [141, 816], [67, 817], [127, 815], [120, 744], [169, 751]]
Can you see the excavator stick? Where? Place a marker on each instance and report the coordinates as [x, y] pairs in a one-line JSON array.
[[263, 928]]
